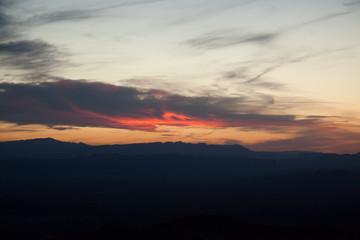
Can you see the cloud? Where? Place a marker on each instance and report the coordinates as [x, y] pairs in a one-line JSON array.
[[80, 103], [243, 76], [350, 4], [7, 26], [232, 142], [326, 139], [29, 54], [254, 73], [227, 38], [38, 56], [314, 21], [17, 52], [59, 16], [80, 14], [130, 3], [220, 39], [206, 9]]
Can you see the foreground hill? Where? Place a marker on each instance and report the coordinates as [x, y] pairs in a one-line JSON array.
[[217, 228], [57, 190]]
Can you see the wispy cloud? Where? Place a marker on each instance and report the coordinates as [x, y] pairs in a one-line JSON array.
[[73, 15], [353, 3], [129, 3], [29, 55], [254, 73], [314, 21], [18, 52], [38, 56], [60, 16], [243, 76], [227, 38], [207, 9], [7, 26]]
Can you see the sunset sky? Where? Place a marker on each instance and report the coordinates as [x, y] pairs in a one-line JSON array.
[[269, 75]]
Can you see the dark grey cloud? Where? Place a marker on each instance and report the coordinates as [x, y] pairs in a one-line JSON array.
[[64, 128], [29, 55], [258, 76], [17, 52], [232, 142], [80, 103], [7, 26]]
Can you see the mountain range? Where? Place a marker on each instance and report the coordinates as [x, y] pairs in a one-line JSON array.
[[62, 190], [50, 148]]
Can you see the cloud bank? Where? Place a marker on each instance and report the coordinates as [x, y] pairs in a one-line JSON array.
[[95, 104]]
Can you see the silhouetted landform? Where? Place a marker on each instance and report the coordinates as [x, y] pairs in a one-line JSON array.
[[57, 190], [51, 148], [213, 227]]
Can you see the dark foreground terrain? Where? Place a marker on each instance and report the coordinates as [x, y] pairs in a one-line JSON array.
[[55, 190]]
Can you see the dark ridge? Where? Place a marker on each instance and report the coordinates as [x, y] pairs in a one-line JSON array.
[[175, 148], [51, 148], [59, 190], [47, 148], [42, 148]]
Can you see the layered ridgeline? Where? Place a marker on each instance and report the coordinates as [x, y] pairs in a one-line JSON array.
[[78, 191], [53, 149], [178, 157]]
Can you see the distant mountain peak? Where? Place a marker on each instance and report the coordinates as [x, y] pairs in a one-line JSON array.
[[38, 140], [49, 140], [44, 140]]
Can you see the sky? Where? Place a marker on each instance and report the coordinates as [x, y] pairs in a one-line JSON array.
[[269, 75]]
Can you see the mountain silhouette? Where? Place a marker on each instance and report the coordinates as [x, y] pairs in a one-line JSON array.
[[51, 148], [62, 190], [174, 160], [42, 148]]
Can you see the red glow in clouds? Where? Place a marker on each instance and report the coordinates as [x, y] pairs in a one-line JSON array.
[[169, 119], [150, 123]]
